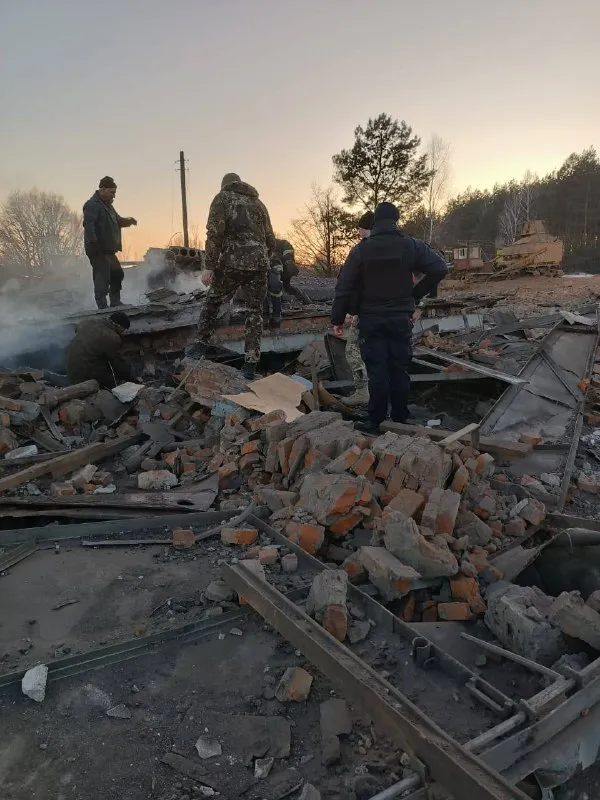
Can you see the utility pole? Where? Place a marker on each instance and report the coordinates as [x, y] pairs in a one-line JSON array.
[[186, 237]]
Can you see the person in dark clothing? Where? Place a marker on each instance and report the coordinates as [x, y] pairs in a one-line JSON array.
[[272, 304], [102, 240], [96, 352], [284, 255], [378, 278]]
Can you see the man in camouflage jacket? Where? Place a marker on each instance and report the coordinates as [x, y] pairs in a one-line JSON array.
[[239, 240]]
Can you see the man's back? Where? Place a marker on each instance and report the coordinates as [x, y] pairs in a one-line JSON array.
[[96, 343], [239, 235]]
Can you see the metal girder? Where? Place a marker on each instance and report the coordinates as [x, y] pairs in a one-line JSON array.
[[459, 772]]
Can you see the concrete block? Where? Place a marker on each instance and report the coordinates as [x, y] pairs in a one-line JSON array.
[[516, 615]]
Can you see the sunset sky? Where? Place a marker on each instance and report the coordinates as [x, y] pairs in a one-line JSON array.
[[273, 88]]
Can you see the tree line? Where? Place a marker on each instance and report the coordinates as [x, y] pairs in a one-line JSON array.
[[386, 161]]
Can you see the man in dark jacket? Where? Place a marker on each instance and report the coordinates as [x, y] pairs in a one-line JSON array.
[[239, 240], [102, 239], [378, 277], [96, 352]]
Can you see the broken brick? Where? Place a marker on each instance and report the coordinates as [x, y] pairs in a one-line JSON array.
[[61, 489], [461, 479], [534, 512], [485, 508], [408, 612], [71, 414], [335, 622], [294, 685], [309, 537], [284, 450], [354, 568], [268, 556], [272, 418], [227, 470], [83, 476], [466, 590], [385, 465], [183, 539], [430, 614], [345, 524], [396, 481], [250, 447], [530, 438], [172, 458], [364, 463], [408, 502], [344, 461], [239, 535], [248, 461], [485, 464], [4, 420], [392, 578], [454, 612]]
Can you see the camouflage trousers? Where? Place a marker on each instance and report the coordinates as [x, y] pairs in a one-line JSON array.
[[354, 358], [222, 289]]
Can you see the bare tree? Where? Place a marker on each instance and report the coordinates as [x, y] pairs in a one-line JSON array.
[[322, 234], [195, 238], [440, 171], [518, 208], [36, 227], [530, 190]]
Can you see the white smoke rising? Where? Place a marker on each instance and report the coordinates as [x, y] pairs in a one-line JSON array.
[[34, 313]]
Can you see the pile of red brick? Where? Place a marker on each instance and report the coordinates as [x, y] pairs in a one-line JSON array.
[[419, 520]]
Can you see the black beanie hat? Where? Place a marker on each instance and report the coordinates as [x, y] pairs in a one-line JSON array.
[[107, 183], [366, 221], [387, 211]]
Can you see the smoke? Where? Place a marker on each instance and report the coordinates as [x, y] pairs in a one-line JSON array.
[[34, 325]]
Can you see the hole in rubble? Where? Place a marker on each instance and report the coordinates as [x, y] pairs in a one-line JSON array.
[[565, 569]]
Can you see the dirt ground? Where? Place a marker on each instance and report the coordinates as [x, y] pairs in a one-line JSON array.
[[526, 295], [69, 749]]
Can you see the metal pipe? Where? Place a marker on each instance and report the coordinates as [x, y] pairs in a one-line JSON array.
[[480, 742], [398, 789], [524, 662]]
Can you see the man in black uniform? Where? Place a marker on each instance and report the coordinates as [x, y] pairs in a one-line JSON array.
[[378, 277]]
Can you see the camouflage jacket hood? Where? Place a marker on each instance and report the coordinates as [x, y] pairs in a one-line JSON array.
[[239, 187]]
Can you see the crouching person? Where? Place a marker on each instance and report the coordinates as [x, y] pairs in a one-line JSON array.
[[96, 352]]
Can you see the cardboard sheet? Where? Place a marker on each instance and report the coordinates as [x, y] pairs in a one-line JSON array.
[[278, 391]]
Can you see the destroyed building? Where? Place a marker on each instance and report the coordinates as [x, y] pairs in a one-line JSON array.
[[215, 588]]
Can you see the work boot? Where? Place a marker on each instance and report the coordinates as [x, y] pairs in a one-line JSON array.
[[115, 300], [367, 426], [101, 302], [249, 370]]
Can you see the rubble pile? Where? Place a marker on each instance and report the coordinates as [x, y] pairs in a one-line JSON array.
[[404, 513]]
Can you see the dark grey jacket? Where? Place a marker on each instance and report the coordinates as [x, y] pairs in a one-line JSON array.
[[377, 277], [102, 226]]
